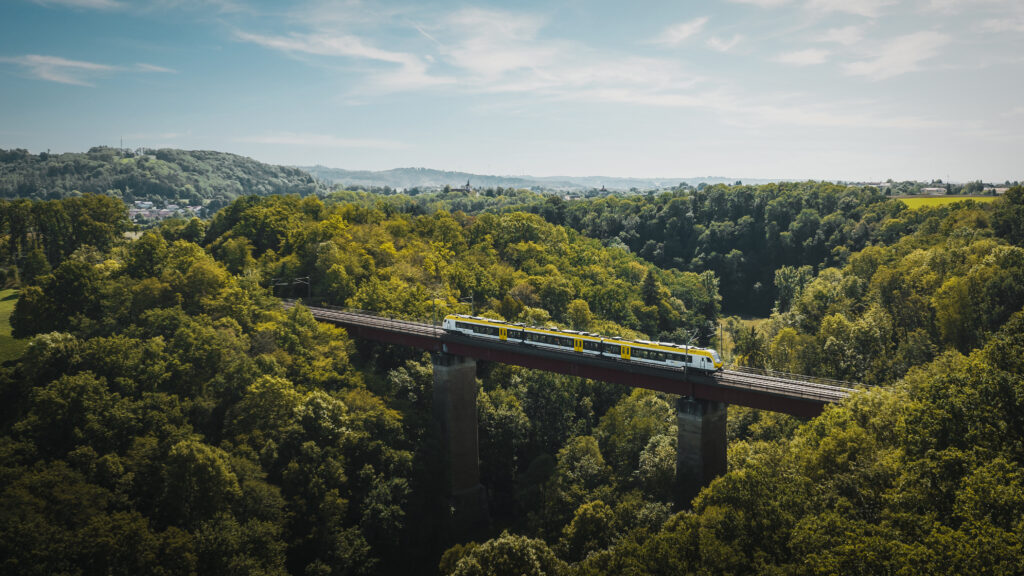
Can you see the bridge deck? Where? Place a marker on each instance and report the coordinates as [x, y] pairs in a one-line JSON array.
[[781, 393]]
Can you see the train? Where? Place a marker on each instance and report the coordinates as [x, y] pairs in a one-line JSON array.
[[664, 354]]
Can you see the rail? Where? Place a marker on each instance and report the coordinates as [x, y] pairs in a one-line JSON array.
[[793, 388], [357, 315], [845, 385]]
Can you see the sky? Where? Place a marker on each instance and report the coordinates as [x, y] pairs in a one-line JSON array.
[[855, 90]]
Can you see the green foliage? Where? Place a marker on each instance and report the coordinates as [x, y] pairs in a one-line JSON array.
[[35, 237], [510, 555], [627, 428], [192, 176], [168, 417], [515, 266], [10, 347], [179, 404], [741, 233]]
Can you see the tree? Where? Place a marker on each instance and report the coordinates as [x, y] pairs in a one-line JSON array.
[[510, 555], [579, 315], [199, 483], [592, 528], [626, 429]]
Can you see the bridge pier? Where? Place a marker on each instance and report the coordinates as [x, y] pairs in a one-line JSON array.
[[701, 447], [454, 409]]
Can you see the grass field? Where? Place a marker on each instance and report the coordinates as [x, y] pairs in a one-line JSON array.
[[10, 348], [729, 345], [920, 202]]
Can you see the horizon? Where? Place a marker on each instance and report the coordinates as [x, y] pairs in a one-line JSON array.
[[771, 89], [742, 179]]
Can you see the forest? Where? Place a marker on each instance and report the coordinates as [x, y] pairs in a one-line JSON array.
[[168, 416], [196, 177]]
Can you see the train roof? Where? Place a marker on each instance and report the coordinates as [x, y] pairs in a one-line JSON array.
[[617, 339]]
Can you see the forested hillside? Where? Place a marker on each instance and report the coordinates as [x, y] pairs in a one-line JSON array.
[[741, 233], [169, 417], [189, 176]]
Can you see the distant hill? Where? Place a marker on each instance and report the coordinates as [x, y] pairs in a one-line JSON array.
[[192, 176], [427, 178]]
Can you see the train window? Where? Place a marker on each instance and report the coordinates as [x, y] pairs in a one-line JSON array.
[[611, 348]]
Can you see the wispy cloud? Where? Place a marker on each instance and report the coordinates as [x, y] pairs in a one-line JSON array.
[[74, 72], [763, 3], [677, 33], [1007, 24], [954, 6], [723, 44], [866, 8], [320, 141], [847, 35], [497, 51], [143, 67], [410, 73], [60, 70], [88, 4], [482, 51], [806, 57], [899, 55]]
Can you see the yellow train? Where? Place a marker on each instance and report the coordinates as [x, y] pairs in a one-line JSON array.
[[643, 351]]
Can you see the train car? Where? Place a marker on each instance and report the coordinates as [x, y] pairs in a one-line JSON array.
[[580, 342], [639, 351], [665, 354], [487, 328]]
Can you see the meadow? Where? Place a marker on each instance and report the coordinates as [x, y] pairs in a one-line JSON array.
[[915, 202], [10, 347]]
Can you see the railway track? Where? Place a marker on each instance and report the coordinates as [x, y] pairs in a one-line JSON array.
[[790, 387]]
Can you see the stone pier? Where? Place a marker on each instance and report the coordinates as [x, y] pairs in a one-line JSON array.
[[455, 391], [701, 450]]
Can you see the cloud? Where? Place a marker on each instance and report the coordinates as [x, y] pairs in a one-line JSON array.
[[899, 56], [676, 33], [866, 8], [60, 70], [806, 57], [763, 3], [410, 73], [320, 141], [75, 72], [998, 25], [89, 4], [498, 52], [723, 45], [491, 43], [954, 6], [847, 36], [143, 67]]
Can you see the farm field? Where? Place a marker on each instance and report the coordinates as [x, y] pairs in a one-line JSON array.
[[10, 347], [921, 201]]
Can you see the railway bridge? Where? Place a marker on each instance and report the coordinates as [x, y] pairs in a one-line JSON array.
[[701, 406]]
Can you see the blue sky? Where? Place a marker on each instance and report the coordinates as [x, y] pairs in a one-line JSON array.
[[822, 89]]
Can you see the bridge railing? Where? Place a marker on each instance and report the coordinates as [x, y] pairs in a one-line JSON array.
[[390, 322], [791, 376]]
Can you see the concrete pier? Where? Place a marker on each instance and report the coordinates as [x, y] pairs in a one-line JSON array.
[[454, 408], [701, 448]]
